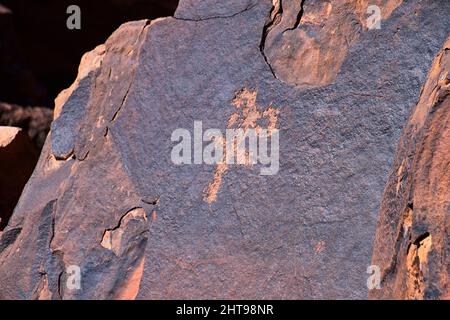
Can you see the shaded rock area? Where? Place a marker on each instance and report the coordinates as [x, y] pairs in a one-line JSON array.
[[106, 196], [306, 42], [412, 241], [17, 164]]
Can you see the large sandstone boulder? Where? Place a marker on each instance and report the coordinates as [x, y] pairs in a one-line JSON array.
[[107, 198], [412, 241]]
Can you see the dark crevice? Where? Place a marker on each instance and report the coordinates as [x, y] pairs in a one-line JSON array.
[[52, 234], [64, 157], [121, 104], [153, 201], [217, 17], [40, 285], [59, 284], [82, 158], [298, 18], [421, 238], [119, 224], [409, 247], [274, 18]]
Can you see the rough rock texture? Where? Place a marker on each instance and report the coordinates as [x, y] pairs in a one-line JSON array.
[[17, 159], [211, 231], [34, 120], [412, 242]]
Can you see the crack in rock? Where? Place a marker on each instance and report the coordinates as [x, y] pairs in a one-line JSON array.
[[133, 222]]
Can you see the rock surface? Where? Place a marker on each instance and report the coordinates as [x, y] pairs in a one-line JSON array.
[[412, 241], [307, 41], [106, 196]]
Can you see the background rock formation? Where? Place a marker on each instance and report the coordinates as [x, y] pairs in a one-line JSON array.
[[34, 120], [18, 84], [106, 196], [17, 164], [39, 56], [412, 242], [20, 157]]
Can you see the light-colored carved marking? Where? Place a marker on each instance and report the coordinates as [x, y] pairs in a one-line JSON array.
[[245, 117], [320, 246]]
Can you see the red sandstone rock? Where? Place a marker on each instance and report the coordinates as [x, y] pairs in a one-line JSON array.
[[412, 241], [106, 197]]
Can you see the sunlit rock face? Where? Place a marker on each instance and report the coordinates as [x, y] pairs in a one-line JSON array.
[[307, 41], [411, 244], [107, 198]]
